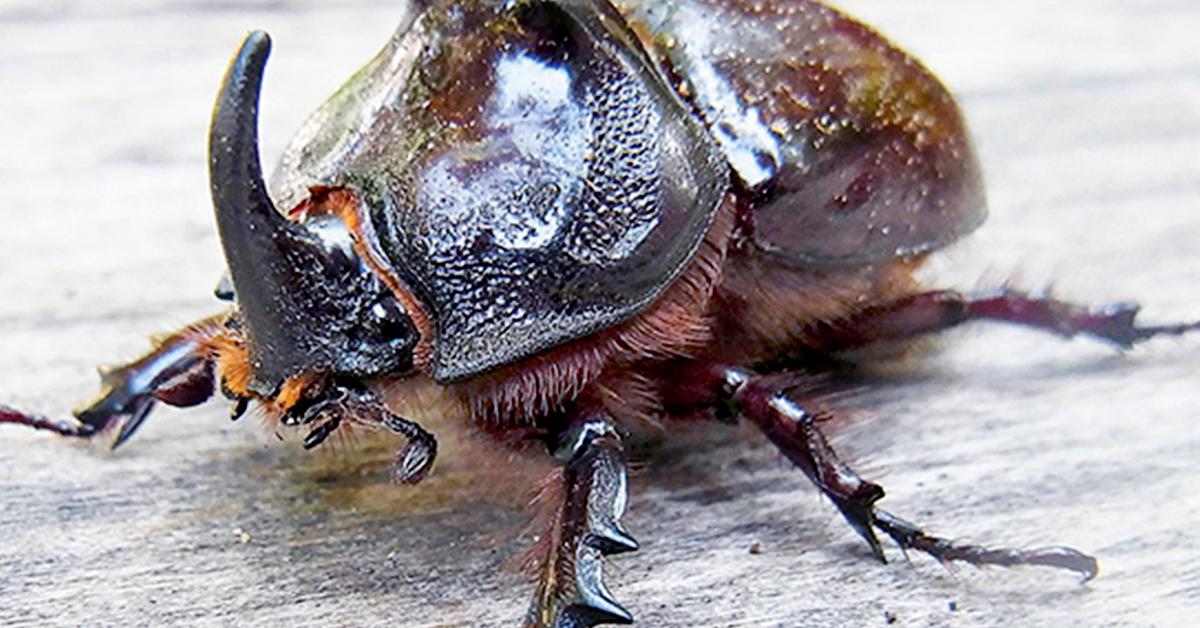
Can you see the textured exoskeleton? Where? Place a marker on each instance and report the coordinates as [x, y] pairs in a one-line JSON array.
[[566, 216]]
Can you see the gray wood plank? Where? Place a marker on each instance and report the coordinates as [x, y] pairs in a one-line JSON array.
[[1087, 115]]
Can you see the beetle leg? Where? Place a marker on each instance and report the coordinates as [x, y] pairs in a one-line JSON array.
[[176, 372], [38, 422], [343, 400], [332, 400], [322, 431], [584, 528], [929, 312], [796, 433], [414, 461]]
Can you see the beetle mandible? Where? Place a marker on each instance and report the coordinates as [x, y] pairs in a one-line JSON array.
[[530, 203]]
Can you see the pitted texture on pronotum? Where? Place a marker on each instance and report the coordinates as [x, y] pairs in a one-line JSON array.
[[533, 182]]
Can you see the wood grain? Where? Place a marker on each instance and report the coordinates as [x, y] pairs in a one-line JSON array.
[[1087, 115]]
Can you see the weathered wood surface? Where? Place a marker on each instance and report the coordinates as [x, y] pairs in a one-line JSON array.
[[1087, 114]]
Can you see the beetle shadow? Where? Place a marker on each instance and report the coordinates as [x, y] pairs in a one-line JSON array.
[[336, 517], [311, 519]]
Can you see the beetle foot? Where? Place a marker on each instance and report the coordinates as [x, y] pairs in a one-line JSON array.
[[584, 530], [1126, 335], [930, 312], [909, 536], [1114, 323], [416, 459], [864, 518], [37, 422]]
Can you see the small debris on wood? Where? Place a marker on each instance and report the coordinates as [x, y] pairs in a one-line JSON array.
[[756, 548], [242, 535]]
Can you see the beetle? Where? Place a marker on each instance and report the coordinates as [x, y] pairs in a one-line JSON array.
[[449, 242]]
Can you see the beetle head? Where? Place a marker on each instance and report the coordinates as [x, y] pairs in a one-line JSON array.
[[306, 300]]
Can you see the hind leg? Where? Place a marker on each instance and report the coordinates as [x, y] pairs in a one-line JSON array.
[[931, 312]]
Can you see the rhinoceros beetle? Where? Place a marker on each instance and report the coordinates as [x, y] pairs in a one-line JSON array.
[[531, 204]]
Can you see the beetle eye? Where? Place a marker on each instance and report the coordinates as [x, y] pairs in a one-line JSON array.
[[391, 322]]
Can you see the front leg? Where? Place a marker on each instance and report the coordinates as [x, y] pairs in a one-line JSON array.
[[586, 499], [178, 371], [339, 402], [796, 433]]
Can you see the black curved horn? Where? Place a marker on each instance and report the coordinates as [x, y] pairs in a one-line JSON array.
[[253, 233], [298, 290], [246, 218]]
